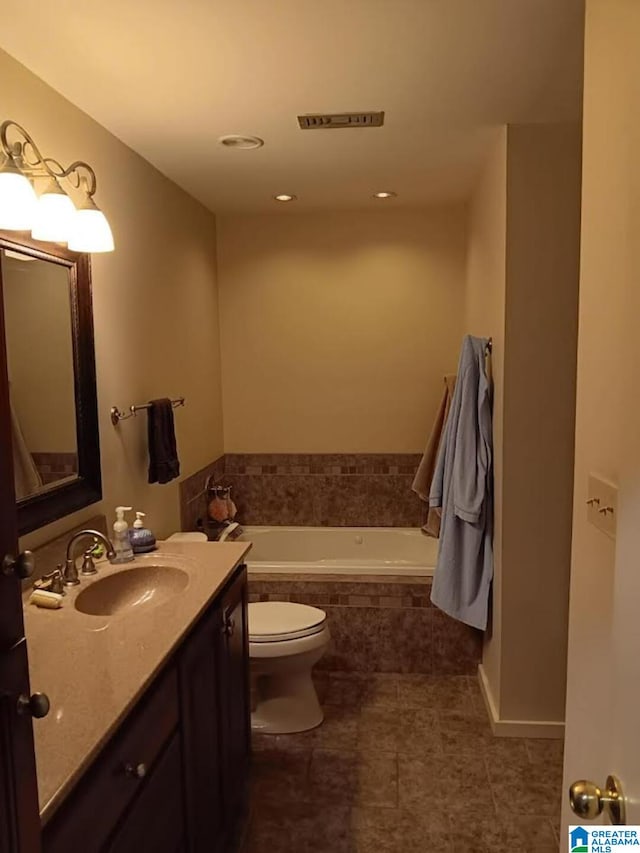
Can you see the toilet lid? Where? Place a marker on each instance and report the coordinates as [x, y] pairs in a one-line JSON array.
[[273, 621]]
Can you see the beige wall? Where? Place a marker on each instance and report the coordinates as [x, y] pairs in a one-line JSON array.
[[606, 407], [337, 329], [155, 301], [40, 352], [485, 317], [522, 288]]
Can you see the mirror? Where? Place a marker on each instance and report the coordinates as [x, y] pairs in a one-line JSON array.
[[48, 339], [39, 350]]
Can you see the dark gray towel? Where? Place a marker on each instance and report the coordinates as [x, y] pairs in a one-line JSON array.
[[163, 455]]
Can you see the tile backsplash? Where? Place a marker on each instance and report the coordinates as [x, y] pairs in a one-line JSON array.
[[312, 489]]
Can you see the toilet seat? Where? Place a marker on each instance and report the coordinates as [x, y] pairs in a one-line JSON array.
[[280, 621]]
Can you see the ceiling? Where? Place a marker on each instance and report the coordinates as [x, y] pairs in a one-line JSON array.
[[169, 77]]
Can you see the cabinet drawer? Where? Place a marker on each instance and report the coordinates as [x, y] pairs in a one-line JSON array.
[[102, 795]]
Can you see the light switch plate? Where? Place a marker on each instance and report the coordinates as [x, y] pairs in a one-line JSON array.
[[602, 504]]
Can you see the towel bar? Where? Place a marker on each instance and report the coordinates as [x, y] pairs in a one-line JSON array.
[[118, 415]]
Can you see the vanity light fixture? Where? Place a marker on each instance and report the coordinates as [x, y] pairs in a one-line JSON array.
[[284, 197], [18, 199], [52, 216], [90, 228], [385, 194]]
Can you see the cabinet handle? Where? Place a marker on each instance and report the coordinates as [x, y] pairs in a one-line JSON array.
[[136, 771], [37, 705], [229, 626], [22, 565]]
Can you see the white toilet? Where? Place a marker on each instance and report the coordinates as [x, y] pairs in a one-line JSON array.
[[285, 641], [194, 536]]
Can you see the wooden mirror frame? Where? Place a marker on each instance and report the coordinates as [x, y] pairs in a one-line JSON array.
[[57, 501]]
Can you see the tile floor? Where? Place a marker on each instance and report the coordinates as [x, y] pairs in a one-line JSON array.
[[402, 764]]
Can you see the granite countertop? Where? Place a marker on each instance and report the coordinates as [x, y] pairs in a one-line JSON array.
[[94, 668]]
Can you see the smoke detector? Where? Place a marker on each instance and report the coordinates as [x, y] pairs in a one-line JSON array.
[[330, 121]]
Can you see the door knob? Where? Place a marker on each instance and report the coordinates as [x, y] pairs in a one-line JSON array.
[[22, 565], [588, 801], [37, 705]]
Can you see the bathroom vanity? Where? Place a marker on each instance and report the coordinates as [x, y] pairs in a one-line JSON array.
[[147, 743]]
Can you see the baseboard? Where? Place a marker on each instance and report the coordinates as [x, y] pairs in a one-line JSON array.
[[515, 728]]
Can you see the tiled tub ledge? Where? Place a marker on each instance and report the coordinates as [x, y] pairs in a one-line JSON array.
[[379, 624]]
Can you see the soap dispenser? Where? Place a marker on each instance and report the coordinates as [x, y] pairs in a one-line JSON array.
[[121, 541], [142, 539]]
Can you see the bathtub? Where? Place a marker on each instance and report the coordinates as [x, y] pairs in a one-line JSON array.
[[341, 550]]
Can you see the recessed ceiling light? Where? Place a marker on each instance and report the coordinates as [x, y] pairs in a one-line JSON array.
[[385, 194], [232, 140], [285, 197]]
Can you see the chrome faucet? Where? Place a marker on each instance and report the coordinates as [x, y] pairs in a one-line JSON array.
[[70, 573]]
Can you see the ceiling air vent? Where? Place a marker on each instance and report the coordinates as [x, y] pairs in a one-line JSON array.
[[329, 121]]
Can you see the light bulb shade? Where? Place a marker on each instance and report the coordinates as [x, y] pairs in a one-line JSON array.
[[54, 216], [90, 231], [17, 201]]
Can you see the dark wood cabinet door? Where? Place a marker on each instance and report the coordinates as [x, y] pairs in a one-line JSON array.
[[19, 816], [200, 726], [234, 697], [106, 791], [155, 821]]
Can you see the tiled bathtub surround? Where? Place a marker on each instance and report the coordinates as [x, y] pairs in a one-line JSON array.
[[55, 466], [379, 624], [332, 464], [193, 503], [328, 490], [315, 489]]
